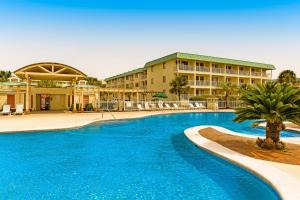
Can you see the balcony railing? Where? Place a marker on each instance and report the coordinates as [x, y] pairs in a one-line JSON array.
[[255, 73], [202, 83], [185, 68], [231, 71], [142, 77], [218, 70], [245, 73], [202, 69], [216, 83]]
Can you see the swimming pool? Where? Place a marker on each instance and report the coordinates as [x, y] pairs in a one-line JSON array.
[[146, 158]]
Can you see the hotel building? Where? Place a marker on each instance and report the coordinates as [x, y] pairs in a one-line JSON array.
[[204, 74]]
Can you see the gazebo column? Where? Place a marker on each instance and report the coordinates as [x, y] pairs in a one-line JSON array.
[[28, 93], [81, 100], [74, 98]]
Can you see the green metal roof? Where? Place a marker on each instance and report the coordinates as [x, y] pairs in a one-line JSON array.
[[209, 59], [126, 73]]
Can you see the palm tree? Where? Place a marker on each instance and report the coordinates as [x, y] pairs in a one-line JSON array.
[[4, 75], [228, 89], [179, 86], [288, 77], [273, 103]]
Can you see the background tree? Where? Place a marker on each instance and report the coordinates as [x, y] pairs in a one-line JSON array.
[[179, 86], [273, 103], [94, 81], [228, 88], [288, 77], [4, 75]]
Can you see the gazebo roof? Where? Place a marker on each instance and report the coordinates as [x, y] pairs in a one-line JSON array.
[[50, 71]]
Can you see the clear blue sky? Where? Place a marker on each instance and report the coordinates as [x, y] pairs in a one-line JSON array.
[[103, 38]]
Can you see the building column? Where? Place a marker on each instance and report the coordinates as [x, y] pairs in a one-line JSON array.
[[74, 97], [28, 93], [81, 100]]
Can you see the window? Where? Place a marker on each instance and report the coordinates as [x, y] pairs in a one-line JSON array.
[[136, 84], [127, 77], [241, 81], [152, 81], [151, 68], [164, 67], [242, 68], [164, 79], [136, 75], [201, 64]]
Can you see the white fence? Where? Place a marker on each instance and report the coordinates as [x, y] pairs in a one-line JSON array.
[[161, 105]]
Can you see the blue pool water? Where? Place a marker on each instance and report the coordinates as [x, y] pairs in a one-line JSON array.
[[147, 158]]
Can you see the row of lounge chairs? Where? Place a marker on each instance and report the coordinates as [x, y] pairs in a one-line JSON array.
[[167, 106], [7, 111]]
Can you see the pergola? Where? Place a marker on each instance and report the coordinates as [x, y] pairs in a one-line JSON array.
[[48, 71]]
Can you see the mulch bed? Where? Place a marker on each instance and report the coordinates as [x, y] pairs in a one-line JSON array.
[[247, 146]]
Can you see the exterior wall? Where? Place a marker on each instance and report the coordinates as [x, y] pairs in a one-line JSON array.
[[203, 77], [3, 100], [155, 76]]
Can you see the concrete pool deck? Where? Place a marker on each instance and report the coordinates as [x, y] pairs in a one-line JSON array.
[[285, 178], [55, 121]]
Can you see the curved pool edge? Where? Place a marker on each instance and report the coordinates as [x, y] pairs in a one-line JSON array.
[[283, 183], [86, 122]]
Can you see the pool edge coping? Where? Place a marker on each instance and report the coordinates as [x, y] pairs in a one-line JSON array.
[[283, 183]]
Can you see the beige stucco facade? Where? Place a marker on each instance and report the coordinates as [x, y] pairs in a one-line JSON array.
[[205, 74]]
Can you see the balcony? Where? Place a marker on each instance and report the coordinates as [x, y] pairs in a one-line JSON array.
[[202, 69], [232, 71], [244, 73], [203, 83], [198, 83], [255, 73], [185, 68], [216, 83], [218, 70], [143, 77]]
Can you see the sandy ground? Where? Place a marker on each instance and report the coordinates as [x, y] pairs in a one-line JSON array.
[[248, 147], [276, 159]]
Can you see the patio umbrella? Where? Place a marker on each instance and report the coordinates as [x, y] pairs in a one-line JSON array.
[[160, 95]]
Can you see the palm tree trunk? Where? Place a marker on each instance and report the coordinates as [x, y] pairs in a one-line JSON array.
[[179, 96], [273, 130]]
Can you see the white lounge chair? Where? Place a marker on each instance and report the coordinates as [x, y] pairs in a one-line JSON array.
[[160, 106], [167, 106], [6, 110], [199, 105], [147, 106], [175, 106], [139, 106], [192, 106], [19, 109]]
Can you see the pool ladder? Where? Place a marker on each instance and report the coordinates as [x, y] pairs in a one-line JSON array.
[[113, 116]]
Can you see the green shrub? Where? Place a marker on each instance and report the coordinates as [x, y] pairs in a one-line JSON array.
[[89, 107]]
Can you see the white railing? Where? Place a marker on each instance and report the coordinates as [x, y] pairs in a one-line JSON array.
[[202, 83], [246, 73], [202, 69], [216, 83], [231, 71], [185, 68], [115, 105], [218, 70], [255, 73]]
